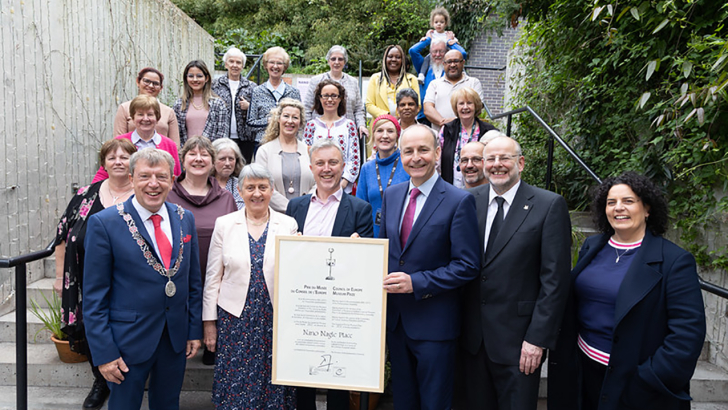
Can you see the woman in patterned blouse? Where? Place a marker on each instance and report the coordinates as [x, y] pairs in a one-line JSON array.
[[330, 104]]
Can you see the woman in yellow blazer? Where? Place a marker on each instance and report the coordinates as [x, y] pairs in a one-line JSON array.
[[237, 310], [384, 86]]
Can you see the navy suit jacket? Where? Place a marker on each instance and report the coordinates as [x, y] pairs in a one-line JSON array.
[[125, 307], [441, 255], [524, 282], [658, 332], [354, 215]]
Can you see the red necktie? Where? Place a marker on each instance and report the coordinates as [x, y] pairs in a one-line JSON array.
[[409, 217], [165, 248]]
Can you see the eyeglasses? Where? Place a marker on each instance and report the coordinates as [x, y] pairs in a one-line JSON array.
[[276, 63], [450, 62], [475, 160], [502, 158], [148, 83], [336, 59], [329, 96]]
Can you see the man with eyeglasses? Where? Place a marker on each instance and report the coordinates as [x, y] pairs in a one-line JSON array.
[[512, 313], [438, 48], [472, 164], [436, 105]]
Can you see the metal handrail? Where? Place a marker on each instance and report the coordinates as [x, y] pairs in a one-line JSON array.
[[21, 320], [713, 288], [256, 67], [552, 136]]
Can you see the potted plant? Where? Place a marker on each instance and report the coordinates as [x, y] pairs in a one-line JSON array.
[[51, 319]]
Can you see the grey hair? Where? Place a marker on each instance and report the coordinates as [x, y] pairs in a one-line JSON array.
[[408, 92], [255, 171], [234, 52], [325, 143], [226, 143], [152, 157], [436, 41], [429, 130], [338, 49], [491, 135]]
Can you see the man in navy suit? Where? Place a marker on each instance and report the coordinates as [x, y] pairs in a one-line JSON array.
[[433, 251], [142, 294], [512, 314], [329, 212]]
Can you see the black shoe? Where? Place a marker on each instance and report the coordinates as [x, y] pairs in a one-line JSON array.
[[208, 358], [97, 396]]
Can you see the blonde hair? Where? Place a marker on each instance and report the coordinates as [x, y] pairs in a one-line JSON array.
[[276, 50], [468, 94], [274, 125]]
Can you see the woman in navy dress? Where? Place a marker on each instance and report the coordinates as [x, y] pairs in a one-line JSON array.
[[237, 309]]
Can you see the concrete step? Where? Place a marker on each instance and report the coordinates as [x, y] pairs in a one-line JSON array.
[[46, 370], [64, 398], [7, 329], [709, 384], [40, 288]]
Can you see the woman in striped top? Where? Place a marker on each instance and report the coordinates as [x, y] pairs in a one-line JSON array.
[[634, 325]]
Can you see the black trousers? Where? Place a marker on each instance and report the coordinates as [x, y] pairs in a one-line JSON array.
[[490, 385]]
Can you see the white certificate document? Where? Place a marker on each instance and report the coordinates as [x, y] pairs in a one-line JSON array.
[[329, 312]]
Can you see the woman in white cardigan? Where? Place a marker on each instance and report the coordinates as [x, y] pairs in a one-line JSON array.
[[237, 310], [284, 155]]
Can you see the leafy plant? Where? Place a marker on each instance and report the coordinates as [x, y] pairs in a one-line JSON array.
[[632, 85], [51, 318]]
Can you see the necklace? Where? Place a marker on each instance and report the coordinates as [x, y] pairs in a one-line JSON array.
[[618, 255], [256, 223], [115, 198], [290, 188], [198, 107]]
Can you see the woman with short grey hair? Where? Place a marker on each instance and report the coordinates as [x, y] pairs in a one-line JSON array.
[[236, 91], [337, 58], [237, 312], [228, 163]]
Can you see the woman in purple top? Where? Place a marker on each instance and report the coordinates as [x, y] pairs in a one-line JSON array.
[[634, 325], [197, 191]]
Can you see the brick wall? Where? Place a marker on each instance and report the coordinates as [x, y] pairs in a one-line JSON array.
[[493, 53]]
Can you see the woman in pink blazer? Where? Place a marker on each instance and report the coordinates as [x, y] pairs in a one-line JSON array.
[[237, 309]]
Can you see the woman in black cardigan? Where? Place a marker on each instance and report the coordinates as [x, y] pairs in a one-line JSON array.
[[467, 105]]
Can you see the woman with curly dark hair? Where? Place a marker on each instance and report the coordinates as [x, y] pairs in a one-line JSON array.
[[634, 325]]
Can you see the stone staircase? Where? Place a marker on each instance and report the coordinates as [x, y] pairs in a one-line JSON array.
[[56, 385]]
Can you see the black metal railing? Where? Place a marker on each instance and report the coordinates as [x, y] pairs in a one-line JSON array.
[[553, 136], [713, 288], [21, 320], [255, 68]]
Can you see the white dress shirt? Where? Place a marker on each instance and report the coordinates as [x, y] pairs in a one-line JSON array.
[[493, 207], [145, 215], [425, 190]]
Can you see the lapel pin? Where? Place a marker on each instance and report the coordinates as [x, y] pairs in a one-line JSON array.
[[525, 207]]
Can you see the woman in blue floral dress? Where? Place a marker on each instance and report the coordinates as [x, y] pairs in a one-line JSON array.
[[237, 309], [114, 158]]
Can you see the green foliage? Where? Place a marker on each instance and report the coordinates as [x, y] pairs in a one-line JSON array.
[[634, 85], [51, 318], [308, 28]]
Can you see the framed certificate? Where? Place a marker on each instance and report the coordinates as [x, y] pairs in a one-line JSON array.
[[329, 312]]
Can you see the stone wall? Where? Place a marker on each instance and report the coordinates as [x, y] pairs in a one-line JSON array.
[[66, 67]]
